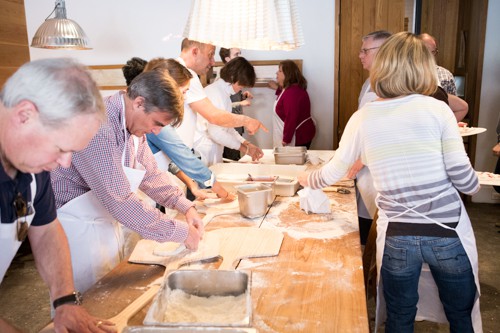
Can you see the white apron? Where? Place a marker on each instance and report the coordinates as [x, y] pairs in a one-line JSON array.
[[163, 162], [367, 95], [8, 234], [279, 126], [429, 306], [209, 151], [97, 241], [365, 194]]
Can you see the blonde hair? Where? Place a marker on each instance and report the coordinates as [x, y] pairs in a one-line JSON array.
[[403, 66]]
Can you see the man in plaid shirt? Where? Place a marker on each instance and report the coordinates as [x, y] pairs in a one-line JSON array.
[[97, 199]]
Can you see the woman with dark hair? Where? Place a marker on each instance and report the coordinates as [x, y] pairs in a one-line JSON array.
[[292, 121], [210, 139], [132, 68]]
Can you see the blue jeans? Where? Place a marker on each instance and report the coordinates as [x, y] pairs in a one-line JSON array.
[[171, 144], [452, 272]]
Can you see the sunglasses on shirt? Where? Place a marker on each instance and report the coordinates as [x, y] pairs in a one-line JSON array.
[[22, 209]]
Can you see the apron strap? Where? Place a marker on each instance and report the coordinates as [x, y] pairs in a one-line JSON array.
[[8, 239], [303, 121], [412, 209], [135, 139]]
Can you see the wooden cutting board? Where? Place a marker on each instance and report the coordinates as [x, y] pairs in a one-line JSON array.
[[246, 242], [232, 244], [144, 253]]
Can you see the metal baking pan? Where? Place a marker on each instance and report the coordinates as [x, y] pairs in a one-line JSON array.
[[156, 329], [290, 155], [203, 284], [254, 199], [285, 182], [286, 187]]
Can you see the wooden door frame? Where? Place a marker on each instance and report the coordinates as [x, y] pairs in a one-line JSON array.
[[336, 81], [475, 53], [359, 18]]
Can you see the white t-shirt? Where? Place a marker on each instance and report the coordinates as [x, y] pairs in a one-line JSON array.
[[366, 95], [195, 93], [210, 139]]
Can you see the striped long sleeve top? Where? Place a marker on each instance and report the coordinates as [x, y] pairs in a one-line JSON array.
[[415, 154]]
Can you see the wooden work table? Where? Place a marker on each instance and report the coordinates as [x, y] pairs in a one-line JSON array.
[[315, 284]]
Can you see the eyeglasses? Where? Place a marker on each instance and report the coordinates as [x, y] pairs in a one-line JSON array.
[[22, 210], [365, 51]]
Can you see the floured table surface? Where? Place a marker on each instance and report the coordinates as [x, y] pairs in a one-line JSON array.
[[315, 284]]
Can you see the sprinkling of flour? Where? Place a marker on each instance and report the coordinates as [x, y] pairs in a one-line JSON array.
[[259, 323], [284, 324], [333, 265], [278, 207], [306, 274], [317, 230], [298, 326], [187, 308], [103, 296]]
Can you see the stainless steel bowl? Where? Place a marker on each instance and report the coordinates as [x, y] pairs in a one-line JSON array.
[[290, 155], [254, 199], [202, 283]]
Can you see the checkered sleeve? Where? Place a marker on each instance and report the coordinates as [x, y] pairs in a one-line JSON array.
[[99, 168], [156, 184]]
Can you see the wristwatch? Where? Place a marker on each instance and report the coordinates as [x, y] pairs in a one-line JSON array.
[[74, 298]]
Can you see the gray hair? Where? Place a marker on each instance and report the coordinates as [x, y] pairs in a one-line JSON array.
[[377, 35], [60, 88]]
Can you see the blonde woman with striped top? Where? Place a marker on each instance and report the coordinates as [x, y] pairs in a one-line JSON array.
[[411, 145]]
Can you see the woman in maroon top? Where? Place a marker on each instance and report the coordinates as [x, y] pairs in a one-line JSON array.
[[292, 122]]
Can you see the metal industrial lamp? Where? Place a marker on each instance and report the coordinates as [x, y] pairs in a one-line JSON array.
[[245, 24], [60, 32]]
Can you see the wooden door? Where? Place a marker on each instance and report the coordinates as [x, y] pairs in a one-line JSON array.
[[14, 49], [357, 18], [442, 27], [459, 27]]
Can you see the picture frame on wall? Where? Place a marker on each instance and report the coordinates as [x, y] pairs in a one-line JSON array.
[[108, 77], [265, 71]]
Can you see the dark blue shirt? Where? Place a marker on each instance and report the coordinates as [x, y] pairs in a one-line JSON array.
[[45, 206]]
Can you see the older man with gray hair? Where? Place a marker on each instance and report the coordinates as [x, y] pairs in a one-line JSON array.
[[365, 192], [49, 109]]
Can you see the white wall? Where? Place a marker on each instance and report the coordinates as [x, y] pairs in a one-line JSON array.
[[121, 29], [490, 101]]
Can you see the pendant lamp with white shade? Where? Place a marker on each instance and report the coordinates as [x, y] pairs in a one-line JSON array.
[[245, 24]]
